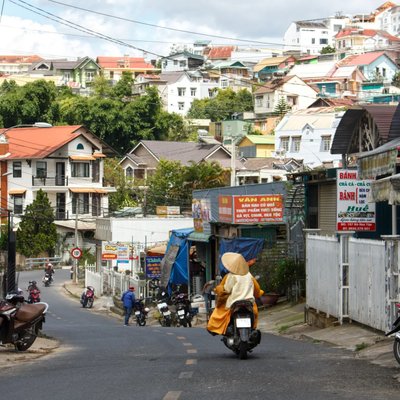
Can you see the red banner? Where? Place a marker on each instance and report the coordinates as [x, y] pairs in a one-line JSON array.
[[258, 208]]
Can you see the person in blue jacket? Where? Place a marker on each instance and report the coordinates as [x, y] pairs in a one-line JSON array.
[[128, 300]]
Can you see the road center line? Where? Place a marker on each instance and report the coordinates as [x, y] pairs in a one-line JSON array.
[[172, 396], [186, 375], [191, 361], [187, 344]]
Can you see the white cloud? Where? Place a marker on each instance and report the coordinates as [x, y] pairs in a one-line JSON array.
[[28, 33]]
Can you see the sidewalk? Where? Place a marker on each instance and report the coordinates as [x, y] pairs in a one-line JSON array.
[[287, 320]]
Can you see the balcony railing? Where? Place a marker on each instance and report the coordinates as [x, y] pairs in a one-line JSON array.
[[58, 180], [61, 215]]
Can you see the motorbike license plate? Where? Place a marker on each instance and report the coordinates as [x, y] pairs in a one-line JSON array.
[[167, 313], [181, 312], [161, 305], [243, 322], [137, 312]]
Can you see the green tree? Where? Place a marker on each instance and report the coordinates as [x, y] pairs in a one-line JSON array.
[[328, 50], [123, 88], [396, 79], [282, 107], [101, 86], [37, 232]]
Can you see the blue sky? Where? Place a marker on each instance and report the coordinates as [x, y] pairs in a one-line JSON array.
[[26, 32]]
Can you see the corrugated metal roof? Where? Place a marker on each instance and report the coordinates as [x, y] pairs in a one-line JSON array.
[[321, 69], [394, 131], [382, 116]]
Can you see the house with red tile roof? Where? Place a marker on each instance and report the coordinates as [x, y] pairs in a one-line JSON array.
[[66, 162], [220, 53], [16, 64], [113, 67], [355, 40]]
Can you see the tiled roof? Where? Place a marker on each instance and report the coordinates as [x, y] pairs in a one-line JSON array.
[[220, 52], [272, 85], [180, 151], [18, 59], [365, 32], [361, 59], [31, 142], [124, 62]]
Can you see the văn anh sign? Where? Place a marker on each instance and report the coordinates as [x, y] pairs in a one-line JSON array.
[[258, 209]]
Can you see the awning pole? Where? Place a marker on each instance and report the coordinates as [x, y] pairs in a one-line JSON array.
[[394, 219]]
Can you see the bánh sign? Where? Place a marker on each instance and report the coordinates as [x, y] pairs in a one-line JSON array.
[[258, 209], [354, 213]]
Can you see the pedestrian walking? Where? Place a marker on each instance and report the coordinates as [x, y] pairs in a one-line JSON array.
[[128, 300]]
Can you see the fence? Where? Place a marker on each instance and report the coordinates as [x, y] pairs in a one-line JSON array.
[[353, 278], [110, 282], [31, 262]]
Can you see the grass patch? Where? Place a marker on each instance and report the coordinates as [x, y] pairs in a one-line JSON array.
[[361, 346], [282, 329]]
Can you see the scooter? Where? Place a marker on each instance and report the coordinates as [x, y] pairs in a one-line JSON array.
[[47, 279], [165, 318], [20, 322], [141, 312], [87, 297], [183, 309], [396, 329], [240, 336], [33, 293]]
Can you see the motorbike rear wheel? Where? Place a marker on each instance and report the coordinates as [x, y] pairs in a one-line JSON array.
[[26, 338], [89, 303], [396, 350], [142, 321], [242, 354]]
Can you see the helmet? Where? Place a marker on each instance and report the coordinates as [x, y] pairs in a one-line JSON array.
[[49, 264]]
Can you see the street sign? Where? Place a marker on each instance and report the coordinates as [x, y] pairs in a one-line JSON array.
[[76, 252]]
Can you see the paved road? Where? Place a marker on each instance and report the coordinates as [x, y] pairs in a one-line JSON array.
[[101, 359]]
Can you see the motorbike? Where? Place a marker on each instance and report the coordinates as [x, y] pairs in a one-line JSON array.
[[87, 297], [240, 336], [20, 322], [141, 312], [33, 293], [396, 329], [47, 279], [184, 312], [165, 318]]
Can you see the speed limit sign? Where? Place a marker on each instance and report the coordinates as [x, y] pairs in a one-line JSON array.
[[76, 252]]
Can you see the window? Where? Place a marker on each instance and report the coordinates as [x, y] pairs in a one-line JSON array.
[[384, 72], [182, 64], [67, 76], [181, 91], [175, 62], [17, 169], [41, 169], [18, 204], [313, 41], [296, 144], [129, 172], [325, 143], [80, 203], [259, 101], [89, 76], [284, 143], [193, 92], [323, 41], [224, 83], [80, 170], [181, 106], [263, 126], [80, 146]]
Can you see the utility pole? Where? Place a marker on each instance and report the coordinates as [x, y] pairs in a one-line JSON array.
[[11, 249], [76, 244]]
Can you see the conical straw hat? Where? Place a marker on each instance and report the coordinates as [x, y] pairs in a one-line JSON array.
[[235, 263]]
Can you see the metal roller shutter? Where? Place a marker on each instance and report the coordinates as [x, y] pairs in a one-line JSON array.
[[327, 208]]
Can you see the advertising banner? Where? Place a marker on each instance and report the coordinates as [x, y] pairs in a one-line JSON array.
[[118, 251], [225, 210], [354, 213], [258, 209], [201, 213], [153, 267]]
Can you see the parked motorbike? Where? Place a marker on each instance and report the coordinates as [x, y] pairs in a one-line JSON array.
[[47, 279], [141, 312], [240, 336], [33, 293], [396, 329], [165, 318], [184, 312], [20, 322], [87, 297]]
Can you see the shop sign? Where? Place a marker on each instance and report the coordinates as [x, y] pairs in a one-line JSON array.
[[253, 209], [354, 213], [153, 267], [225, 211]]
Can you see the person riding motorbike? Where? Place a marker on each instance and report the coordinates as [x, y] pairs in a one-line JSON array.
[[49, 270], [237, 284]]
